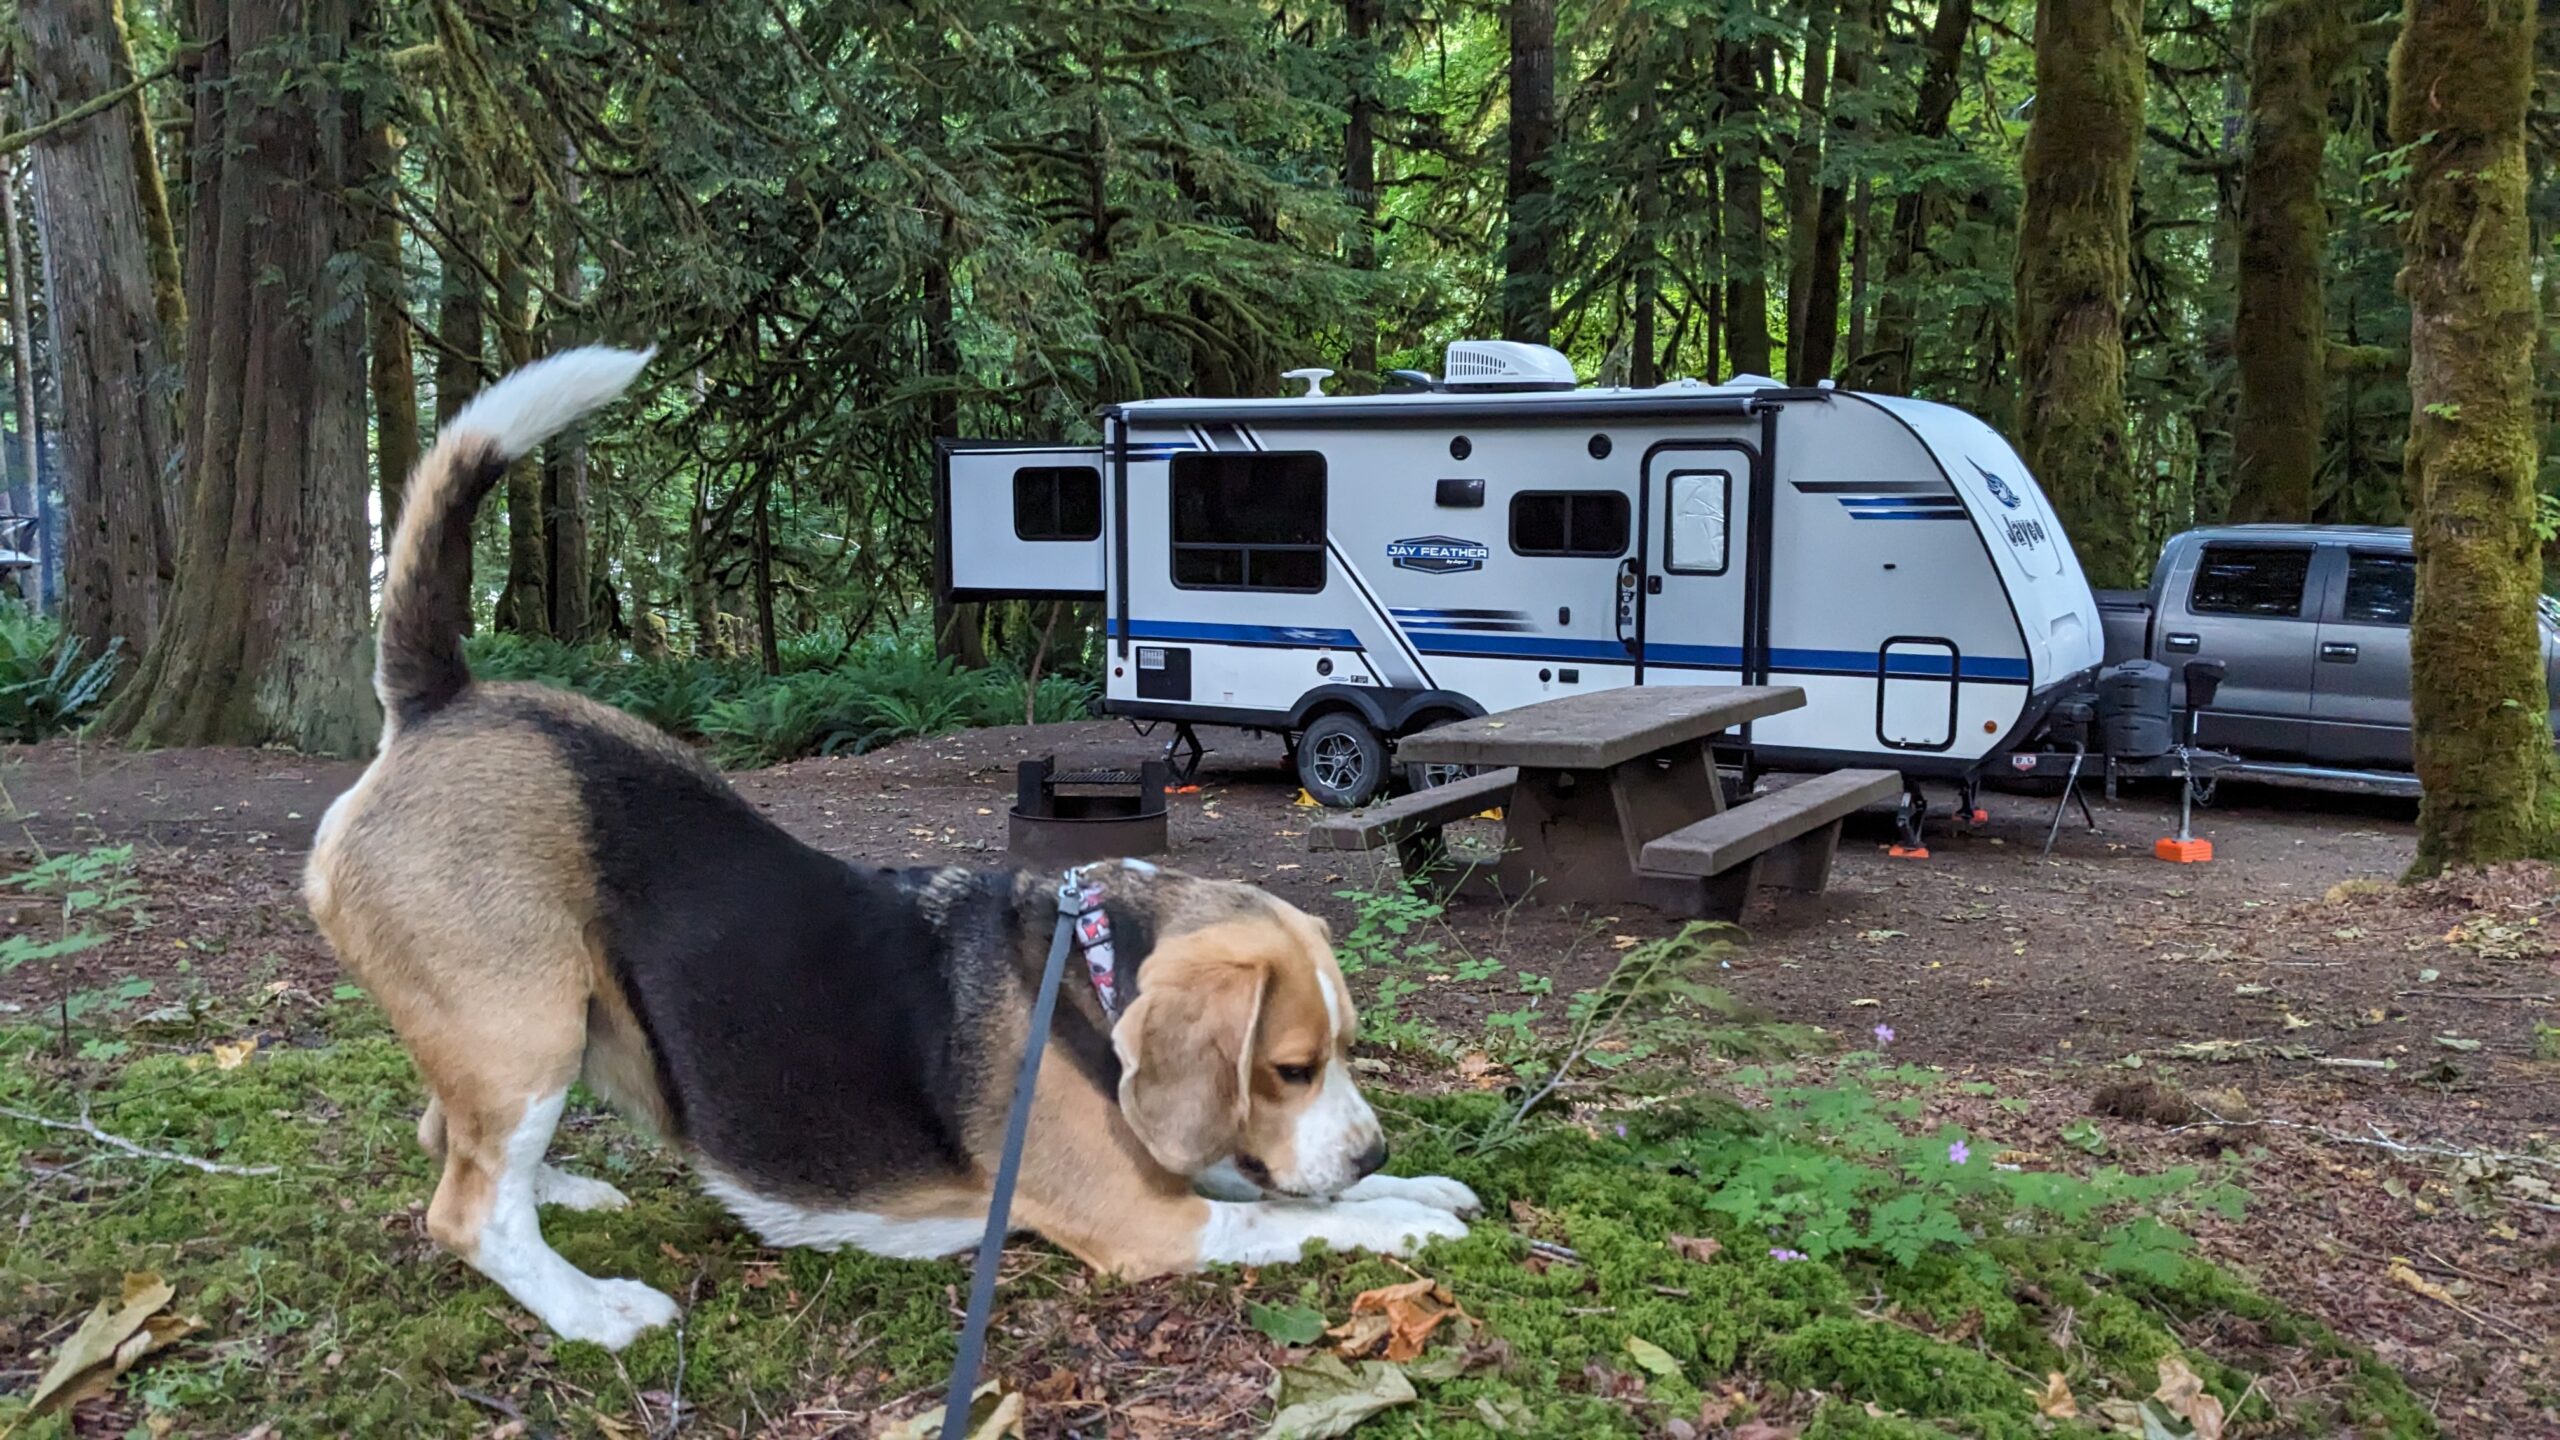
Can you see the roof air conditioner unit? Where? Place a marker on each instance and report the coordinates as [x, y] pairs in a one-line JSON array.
[[1505, 365]]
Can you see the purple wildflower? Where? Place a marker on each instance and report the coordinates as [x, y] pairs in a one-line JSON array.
[[1622, 1132], [1781, 1254], [1884, 1035], [1958, 1153]]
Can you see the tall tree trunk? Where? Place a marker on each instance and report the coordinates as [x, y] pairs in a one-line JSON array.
[[1862, 230], [768, 636], [29, 461], [1643, 366], [462, 325], [565, 475], [524, 604], [2074, 264], [1813, 351], [2461, 81], [1360, 176], [1528, 275], [263, 638], [1803, 200], [1887, 364], [1746, 223], [2279, 323], [391, 366], [117, 365]]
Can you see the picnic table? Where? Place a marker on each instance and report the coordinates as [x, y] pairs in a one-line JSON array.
[[1613, 796]]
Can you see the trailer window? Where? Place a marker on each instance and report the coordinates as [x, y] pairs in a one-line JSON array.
[[1057, 502], [1248, 521], [2381, 589], [1569, 522], [2250, 580], [1695, 504]]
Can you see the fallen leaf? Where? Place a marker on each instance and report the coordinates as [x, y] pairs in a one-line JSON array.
[[1293, 1325], [2056, 1402], [1624, 942], [1701, 1248], [2407, 1278], [114, 1337], [231, 1055], [1479, 1070], [2456, 1042], [1505, 1417], [1325, 1397], [1402, 1315], [1864, 1003], [1878, 937], [2182, 1390], [994, 1414], [1652, 1358], [2295, 1022], [1766, 1430]]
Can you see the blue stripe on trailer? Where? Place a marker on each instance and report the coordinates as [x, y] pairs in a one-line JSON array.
[[1916, 665], [1909, 515], [1938, 499], [1296, 637]]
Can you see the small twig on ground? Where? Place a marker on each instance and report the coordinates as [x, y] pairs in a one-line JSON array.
[[2478, 995], [2376, 1141], [88, 1127], [675, 1391]]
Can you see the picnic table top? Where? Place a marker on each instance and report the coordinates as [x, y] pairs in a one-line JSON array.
[[1600, 728]]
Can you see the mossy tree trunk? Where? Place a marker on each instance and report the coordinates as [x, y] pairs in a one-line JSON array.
[[114, 351], [1746, 221], [2461, 81], [263, 637], [2074, 264], [2279, 326], [1528, 276]]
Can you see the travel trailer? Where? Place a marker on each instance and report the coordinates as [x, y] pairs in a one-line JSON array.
[[1345, 570]]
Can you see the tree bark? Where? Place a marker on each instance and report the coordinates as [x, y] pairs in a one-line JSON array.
[[2074, 265], [264, 636], [2461, 82], [1887, 365], [1803, 201], [461, 316], [564, 462], [1746, 223], [391, 366], [1360, 176], [1814, 351], [524, 604], [2279, 323], [1643, 366], [1528, 276], [117, 365]]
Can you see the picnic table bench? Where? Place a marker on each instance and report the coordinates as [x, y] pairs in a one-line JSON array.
[[1613, 796]]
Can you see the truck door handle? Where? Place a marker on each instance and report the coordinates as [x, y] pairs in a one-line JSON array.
[[2338, 651], [2184, 644]]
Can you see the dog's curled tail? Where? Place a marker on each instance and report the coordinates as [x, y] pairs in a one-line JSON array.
[[420, 668]]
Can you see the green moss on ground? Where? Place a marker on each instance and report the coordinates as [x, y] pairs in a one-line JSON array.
[[328, 1310]]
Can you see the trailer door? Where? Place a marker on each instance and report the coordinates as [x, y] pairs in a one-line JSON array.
[[1692, 582], [1019, 522]]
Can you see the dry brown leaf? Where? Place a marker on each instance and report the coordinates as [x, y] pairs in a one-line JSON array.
[[231, 1055], [109, 1342], [2182, 1390], [1624, 942], [1479, 1070], [1701, 1248], [2407, 1278], [1402, 1316], [2056, 1402], [1766, 1430]]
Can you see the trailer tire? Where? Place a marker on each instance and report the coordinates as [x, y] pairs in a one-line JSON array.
[[1341, 761], [1418, 775]]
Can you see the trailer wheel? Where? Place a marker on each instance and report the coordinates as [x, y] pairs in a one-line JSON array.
[[1416, 775], [1341, 761]]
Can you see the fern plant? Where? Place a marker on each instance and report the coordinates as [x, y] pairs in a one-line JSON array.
[[47, 682]]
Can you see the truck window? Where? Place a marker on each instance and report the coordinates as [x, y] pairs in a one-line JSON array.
[[1248, 521], [1057, 502], [2381, 589], [2250, 580], [1569, 522]]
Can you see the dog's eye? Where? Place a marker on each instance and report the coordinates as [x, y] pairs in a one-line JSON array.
[[1295, 1074]]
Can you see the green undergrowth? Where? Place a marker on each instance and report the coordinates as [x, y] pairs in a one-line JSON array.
[[327, 1310]]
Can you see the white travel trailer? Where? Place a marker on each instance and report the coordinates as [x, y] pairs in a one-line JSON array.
[[1344, 570]]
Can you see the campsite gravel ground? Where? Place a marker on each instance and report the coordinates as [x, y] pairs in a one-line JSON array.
[[2255, 974]]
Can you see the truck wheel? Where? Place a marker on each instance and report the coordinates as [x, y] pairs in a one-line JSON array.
[[1341, 761]]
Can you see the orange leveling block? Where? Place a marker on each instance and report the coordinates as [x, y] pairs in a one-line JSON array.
[[2203, 677]]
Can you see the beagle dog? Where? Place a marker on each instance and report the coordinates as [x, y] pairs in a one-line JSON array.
[[540, 890]]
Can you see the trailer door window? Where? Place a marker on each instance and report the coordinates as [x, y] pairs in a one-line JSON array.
[[1057, 502], [1569, 522], [2381, 589], [1248, 521], [2250, 580], [1695, 505]]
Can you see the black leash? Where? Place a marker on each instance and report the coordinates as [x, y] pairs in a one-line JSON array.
[[982, 1283]]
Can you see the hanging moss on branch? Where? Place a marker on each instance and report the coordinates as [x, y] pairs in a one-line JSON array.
[[2461, 79], [2074, 266], [2278, 329]]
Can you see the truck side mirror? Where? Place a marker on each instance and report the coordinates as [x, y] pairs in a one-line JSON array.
[[2204, 678]]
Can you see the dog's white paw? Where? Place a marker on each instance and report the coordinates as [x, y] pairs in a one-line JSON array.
[[575, 1192], [1437, 1191], [613, 1314], [1400, 1227]]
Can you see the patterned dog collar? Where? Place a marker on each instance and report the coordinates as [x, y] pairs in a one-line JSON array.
[[1081, 895]]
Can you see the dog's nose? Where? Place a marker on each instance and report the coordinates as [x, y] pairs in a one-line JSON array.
[[1373, 1159]]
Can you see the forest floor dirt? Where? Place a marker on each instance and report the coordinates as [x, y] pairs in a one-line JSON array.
[[2400, 1046]]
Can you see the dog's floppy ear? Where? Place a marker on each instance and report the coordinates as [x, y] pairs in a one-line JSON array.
[[1186, 1051]]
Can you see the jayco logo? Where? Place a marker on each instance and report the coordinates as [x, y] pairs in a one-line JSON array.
[[1437, 554], [1998, 487]]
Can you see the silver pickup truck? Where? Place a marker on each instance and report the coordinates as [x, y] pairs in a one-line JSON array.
[[2311, 623]]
